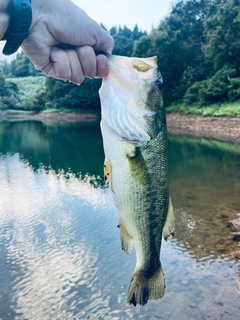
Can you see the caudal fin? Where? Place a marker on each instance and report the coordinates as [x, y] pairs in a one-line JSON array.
[[142, 289]]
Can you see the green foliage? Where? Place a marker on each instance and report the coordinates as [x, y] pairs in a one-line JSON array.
[[8, 93], [222, 35], [6, 68], [59, 94], [218, 88], [177, 43], [124, 39], [217, 109], [21, 67], [27, 89]]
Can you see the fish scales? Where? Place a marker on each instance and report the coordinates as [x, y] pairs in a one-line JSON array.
[[136, 167]]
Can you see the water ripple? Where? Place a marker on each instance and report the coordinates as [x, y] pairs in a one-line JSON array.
[[61, 256]]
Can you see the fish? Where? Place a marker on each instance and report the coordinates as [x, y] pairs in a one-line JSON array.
[[134, 131]]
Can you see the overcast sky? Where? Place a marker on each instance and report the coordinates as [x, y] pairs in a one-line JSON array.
[[144, 13]]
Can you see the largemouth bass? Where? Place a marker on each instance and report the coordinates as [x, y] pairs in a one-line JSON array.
[[134, 134]]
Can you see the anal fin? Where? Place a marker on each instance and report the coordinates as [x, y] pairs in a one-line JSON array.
[[126, 240], [169, 225]]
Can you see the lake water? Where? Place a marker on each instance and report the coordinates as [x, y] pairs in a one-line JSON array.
[[60, 255]]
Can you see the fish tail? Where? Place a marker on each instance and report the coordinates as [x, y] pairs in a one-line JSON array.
[[142, 289]]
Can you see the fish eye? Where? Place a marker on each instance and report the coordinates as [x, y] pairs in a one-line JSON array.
[[159, 82]]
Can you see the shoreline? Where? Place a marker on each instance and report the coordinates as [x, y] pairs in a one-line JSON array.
[[225, 129], [53, 117]]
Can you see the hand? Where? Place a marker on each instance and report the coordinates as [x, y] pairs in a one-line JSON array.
[[62, 22]]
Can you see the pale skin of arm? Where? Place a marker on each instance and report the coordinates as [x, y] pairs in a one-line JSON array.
[[56, 22]]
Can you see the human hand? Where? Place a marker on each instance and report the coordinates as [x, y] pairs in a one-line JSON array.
[[58, 22]]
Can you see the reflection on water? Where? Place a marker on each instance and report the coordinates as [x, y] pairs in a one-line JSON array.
[[205, 187], [60, 255]]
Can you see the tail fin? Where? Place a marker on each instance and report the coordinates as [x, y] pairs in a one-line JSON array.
[[142, 289]]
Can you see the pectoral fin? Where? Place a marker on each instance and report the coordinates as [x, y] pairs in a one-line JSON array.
[[108, 174], [169, 225], [126, 240]]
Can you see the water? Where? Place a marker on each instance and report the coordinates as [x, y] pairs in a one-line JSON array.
[[60, 255]]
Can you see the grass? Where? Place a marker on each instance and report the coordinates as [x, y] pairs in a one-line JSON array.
[[16, 111], [217, 109], [65, 110]]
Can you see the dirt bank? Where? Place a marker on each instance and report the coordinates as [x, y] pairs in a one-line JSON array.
[[218, 128], [58, 117], [66, 117]]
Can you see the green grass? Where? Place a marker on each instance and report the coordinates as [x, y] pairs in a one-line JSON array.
[[65, 110], [217, 110], [16, 111]]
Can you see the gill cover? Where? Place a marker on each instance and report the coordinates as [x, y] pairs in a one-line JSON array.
[[124, 98]]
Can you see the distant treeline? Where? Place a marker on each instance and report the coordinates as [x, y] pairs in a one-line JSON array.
[[198, 49]]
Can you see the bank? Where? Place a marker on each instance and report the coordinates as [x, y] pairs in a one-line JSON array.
[[218, 128]]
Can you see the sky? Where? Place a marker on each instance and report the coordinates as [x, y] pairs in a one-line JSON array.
[[145, 13]]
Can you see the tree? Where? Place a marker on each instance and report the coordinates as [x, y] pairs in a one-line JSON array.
[[177, 43], [6, 68], [222, 34], [124, 39], [20, 66], [8, 93]]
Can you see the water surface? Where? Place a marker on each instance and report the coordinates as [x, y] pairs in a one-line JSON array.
[[60, 255]]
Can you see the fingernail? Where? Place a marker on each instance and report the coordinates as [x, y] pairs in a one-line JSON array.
[[102, 64]]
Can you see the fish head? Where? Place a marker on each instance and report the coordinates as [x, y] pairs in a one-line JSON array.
[[131, 99]]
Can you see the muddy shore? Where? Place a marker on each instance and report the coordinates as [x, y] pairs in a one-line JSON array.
[[218, 128], [54, 117]]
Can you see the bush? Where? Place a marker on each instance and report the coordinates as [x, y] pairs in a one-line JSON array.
[[219, 88]]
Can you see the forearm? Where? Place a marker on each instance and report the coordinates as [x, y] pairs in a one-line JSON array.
[[4, 17]]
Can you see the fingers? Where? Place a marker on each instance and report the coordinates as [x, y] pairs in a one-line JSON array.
[[64, 64], [75, 65], [87, 59], [93, 66], [102, 66]]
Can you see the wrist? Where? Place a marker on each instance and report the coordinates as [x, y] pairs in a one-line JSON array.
[[4, 17], [20, 18]]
